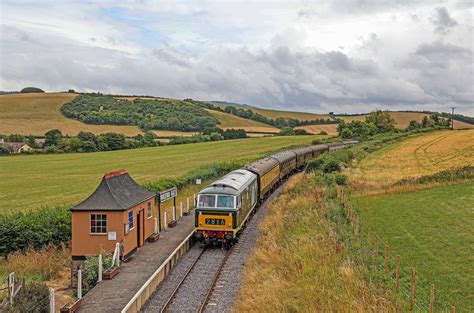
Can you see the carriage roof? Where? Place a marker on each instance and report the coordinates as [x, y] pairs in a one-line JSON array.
[[232, 183]]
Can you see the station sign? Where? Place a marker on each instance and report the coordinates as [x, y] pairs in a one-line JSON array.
[[168, 194]]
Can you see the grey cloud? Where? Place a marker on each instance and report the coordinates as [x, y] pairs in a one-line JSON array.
[[442, 21], [435, 74]]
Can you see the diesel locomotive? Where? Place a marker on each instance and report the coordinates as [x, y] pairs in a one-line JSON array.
[[224, 207]]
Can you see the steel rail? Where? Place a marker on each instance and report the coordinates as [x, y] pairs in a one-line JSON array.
[[214, 281], [175, 291]]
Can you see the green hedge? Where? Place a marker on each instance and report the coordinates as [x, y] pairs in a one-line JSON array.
[[37, 228], [204, 172]]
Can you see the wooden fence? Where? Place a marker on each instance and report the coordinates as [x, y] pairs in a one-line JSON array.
[[417, 293]]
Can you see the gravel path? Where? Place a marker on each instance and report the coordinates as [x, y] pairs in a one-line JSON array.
[[193, 291]]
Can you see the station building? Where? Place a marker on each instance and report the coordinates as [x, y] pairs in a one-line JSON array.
[[119, 211]]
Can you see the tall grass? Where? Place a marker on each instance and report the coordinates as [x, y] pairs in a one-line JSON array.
[[37, 265], [300, 264]]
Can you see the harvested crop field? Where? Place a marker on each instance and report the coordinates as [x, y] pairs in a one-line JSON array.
[[171, 133], [402, 119], [421, 155], [31, 181], [229, 121], [301, 116], [37, 113], [330, 129]]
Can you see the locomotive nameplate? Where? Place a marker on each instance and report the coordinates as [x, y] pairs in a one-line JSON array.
[[215, 221]]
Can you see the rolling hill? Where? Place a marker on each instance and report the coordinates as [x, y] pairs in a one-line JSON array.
[[229, 121], [37, 113]]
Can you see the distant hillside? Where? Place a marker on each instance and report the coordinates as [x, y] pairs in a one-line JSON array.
[[403, 118], [224, 103], [37, 113], [229, 121], [7, 92]]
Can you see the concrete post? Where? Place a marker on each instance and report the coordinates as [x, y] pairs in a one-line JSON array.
[[52, 301], [99, 275], [117, 247], [156, 226], [11, 286], [79, 283], [166, 221], [174, 213], [181, 210], [187, 204]]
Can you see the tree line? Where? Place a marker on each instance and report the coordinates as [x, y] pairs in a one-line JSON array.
[[279, 122], [147, 114], [56, 142], [380, 122]]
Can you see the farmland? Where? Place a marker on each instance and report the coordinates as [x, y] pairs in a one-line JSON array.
[[402, 119], [429, 226], [37, 113], [229, 121], [301, 116], [330, 129], [432, 231], [29, 182], [419, 156]]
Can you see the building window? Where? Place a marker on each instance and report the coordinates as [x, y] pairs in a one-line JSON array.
[[130, 220], [149, 209], [98, 224]]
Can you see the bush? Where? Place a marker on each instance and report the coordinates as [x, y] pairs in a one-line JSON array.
[[323, 132], [332, 165], [341, 179], [36, 229], [91, 268], [4, 150]]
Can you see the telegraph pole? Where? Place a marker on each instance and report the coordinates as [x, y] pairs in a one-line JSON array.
[[452, 118]]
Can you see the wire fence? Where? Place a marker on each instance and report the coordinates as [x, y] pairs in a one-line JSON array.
[[416, 293]]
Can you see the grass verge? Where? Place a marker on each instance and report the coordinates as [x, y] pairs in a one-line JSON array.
[[300, 264]]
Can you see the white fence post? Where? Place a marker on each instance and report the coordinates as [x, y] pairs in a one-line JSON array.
[[99, 278], [52, 301], [156, 226], [11, 286], [174, 213], [194, 200], [117, 247], [165, 220], [187, 204], [79, 283], [181, 210]]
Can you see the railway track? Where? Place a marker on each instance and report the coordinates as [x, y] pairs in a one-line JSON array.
[[196, 285], [208, 279]]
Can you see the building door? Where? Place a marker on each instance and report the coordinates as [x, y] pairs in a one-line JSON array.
[[140, 228]]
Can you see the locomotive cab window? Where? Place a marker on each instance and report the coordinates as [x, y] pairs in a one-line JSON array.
[[208, 201], [225, 201]]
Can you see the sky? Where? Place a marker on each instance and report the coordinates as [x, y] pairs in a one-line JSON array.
[[317, 56]]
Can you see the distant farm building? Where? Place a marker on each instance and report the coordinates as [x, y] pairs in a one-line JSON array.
[[16, 147], [119, 211]]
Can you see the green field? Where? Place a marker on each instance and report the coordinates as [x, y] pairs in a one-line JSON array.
[[31, 181], [433, 231]]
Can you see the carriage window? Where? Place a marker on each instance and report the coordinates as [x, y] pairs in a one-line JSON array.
[[225, 201], [208, 201]]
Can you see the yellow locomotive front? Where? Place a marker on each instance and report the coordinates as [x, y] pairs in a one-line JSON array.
[[224, 206]]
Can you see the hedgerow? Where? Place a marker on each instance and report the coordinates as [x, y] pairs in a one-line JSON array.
[[36, 229]]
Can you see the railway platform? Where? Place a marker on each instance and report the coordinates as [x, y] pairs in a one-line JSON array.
[[113, 295]]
